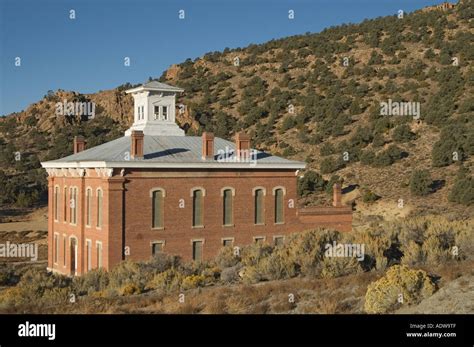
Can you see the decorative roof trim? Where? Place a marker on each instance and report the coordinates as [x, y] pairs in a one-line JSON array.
[[155, 165]]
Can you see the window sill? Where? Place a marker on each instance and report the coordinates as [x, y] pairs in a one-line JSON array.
[[158, 228], [228, 225], [197, 227], [259, 224], [280, 223]]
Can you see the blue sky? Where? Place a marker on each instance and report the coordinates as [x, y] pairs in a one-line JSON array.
[[87, 54]]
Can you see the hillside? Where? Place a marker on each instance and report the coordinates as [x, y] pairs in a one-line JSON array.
[[313, 97]]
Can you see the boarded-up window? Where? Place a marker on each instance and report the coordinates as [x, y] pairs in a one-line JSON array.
[[56, 248], [64, 250], [89, 254], [227, 242], [197, 250], [227, 199], [156, 248], [259, 206], [99, 208], [56, 203], [157, 209], [73, 205], [65, 205], [197, 208], [279, 240], [88, 206], [99, 254], [279, 206]]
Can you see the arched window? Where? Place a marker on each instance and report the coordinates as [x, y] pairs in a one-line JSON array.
[[259, 206], [65, 205], [56, 203], [157, 206], [73, 205], [227, 201], [88, 206], [99, 208], [279, 211], [198, 212]]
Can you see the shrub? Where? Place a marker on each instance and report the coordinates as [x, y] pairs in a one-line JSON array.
[[168, 280], [230, 274], [128, 272], [254, 253], [277, 265], [420, 183], [463, 188], [130, 289], [367, 157], [226, 257], [329, 165], [92, 281], [413, 254], [193, 281], [411, 286], [403, 133], [332, 267], [369, 196], [310, 182]]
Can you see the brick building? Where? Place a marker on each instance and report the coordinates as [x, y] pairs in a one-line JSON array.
[[156, 190]]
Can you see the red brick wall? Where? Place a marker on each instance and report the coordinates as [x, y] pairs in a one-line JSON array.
[[128, 198]]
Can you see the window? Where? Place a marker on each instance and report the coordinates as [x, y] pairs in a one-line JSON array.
[[259, 196], [227, 242], [157, 205], [88, 206], [73, 205], [259, 239], [99, 208], [279, 205], [197, 208], [64, 250], [99, 254], [65, 205], [56, 248], [143, 112], [156, 248], [156, 112], [227, 202], [56, 203], [89, 254], [278, 240], [197, 250], [164, 112]]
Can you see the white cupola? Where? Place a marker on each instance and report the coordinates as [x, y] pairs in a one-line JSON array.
[[155, 109]]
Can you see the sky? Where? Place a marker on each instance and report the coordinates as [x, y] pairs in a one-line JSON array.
[[87, 54]]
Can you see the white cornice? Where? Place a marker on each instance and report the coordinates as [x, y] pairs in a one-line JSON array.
[[155, 165]]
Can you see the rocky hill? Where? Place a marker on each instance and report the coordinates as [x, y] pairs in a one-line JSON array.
[[328, 98]]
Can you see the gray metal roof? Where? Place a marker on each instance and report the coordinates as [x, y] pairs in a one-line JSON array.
[[168, 150], [155, 85]]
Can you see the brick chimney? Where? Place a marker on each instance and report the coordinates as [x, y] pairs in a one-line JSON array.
[[242, 146], [336, 195], [207, 145], [79, 144], [137, 144]]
